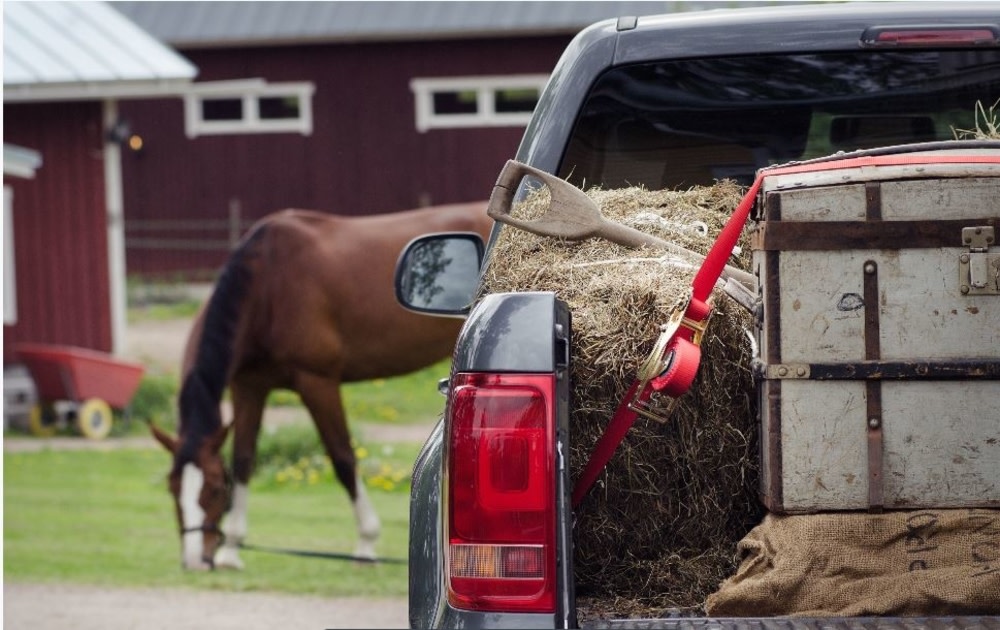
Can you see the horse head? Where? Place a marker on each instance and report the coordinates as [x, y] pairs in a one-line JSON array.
[[201, 491]]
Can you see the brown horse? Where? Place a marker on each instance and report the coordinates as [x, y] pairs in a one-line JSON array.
[[306, 302]]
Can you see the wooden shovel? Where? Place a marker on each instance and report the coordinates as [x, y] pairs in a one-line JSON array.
[[574, 216]]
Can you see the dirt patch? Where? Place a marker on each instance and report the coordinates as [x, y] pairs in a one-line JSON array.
[[158, 344]]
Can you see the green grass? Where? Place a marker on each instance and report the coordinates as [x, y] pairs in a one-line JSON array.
[[159, 312], [403, 399], [106, 518], [293, 456]]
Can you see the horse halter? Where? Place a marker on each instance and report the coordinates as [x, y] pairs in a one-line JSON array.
[[213, 528]]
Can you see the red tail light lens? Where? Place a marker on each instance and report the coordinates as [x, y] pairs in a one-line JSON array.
[[501, 493]]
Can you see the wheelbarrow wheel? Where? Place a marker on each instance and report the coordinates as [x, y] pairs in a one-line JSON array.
[[93, 419], [43, 420]]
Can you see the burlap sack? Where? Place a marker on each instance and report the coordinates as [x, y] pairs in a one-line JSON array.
[[907, 563]]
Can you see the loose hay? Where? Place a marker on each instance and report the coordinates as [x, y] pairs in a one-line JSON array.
[[659, 529]]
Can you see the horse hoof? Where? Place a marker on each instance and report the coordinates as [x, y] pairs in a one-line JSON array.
[[227, 558], [365, 551], [196, 563]]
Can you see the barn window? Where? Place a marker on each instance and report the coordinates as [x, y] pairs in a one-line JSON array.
[[243, 107], [213, 109], [497, 101], [455, 102]]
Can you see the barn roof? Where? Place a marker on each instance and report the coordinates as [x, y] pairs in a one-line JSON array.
[[230, 24], [84, 51]]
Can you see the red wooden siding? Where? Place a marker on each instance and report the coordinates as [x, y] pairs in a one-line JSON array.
[[60, 228], [364, 155]]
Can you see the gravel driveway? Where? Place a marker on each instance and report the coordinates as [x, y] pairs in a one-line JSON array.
[[57, 606]]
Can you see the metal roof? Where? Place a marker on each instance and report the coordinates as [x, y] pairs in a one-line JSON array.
[[84, 50], [220, 24]]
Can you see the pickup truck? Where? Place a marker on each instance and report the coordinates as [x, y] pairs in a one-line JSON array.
[[663, 102]]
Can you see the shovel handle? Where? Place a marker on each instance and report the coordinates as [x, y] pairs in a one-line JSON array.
[[571, 213]]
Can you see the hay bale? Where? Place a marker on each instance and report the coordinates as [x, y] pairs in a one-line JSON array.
[[659, 528]]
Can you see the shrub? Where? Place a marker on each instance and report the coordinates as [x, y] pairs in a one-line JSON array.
[[154, 401]]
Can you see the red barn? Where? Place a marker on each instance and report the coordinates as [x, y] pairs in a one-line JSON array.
[[66, 67], [345, 107]]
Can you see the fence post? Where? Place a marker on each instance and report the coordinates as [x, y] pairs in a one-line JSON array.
[[235, 222]]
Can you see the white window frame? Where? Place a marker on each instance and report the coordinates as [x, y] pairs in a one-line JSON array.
[[17, 162], [249, 92], [485, 87], [9, 275]]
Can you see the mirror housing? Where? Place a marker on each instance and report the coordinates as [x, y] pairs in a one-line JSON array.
[[438, 274]]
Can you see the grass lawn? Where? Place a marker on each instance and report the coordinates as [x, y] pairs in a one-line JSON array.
[[106, 518]]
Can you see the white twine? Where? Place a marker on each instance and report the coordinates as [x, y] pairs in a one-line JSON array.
[[698, 227], [651, 218], [663, 260]]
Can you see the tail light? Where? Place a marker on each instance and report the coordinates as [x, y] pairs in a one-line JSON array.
[[500, 484]]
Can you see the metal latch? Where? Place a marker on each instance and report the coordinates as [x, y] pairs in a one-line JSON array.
[[979, 270]]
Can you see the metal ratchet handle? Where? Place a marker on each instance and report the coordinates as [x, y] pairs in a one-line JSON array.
[[653, 409], [653, 365]]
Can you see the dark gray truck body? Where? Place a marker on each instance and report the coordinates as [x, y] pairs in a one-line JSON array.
[[515, 332]]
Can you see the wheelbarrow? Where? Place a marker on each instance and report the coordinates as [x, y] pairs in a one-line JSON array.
[[77, 386]]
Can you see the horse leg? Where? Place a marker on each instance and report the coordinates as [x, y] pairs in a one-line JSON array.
[[248, 408], [322, 397]]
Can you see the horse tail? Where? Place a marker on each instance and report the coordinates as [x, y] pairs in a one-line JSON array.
[[205, 381]]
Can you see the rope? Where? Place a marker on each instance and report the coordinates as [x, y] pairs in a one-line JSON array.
[[326, 555]]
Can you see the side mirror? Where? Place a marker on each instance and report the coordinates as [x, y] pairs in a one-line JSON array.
[[439, 273]]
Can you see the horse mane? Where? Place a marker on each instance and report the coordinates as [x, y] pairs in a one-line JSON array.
[[206, 380]]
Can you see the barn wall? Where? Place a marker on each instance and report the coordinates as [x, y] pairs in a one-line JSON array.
[[60, 228], [364, 156]]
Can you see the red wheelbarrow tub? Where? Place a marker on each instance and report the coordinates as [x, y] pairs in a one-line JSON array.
[[76, 374]]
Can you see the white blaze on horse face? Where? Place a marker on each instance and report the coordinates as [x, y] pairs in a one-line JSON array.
[[192, 480], [235, 529], [367, 520]]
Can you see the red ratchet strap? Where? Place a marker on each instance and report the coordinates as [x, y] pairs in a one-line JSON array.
[[679, 346]]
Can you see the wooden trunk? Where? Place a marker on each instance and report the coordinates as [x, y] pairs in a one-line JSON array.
[[879, 338]]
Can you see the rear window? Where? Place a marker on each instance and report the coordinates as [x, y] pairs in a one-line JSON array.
[[692, 122]]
